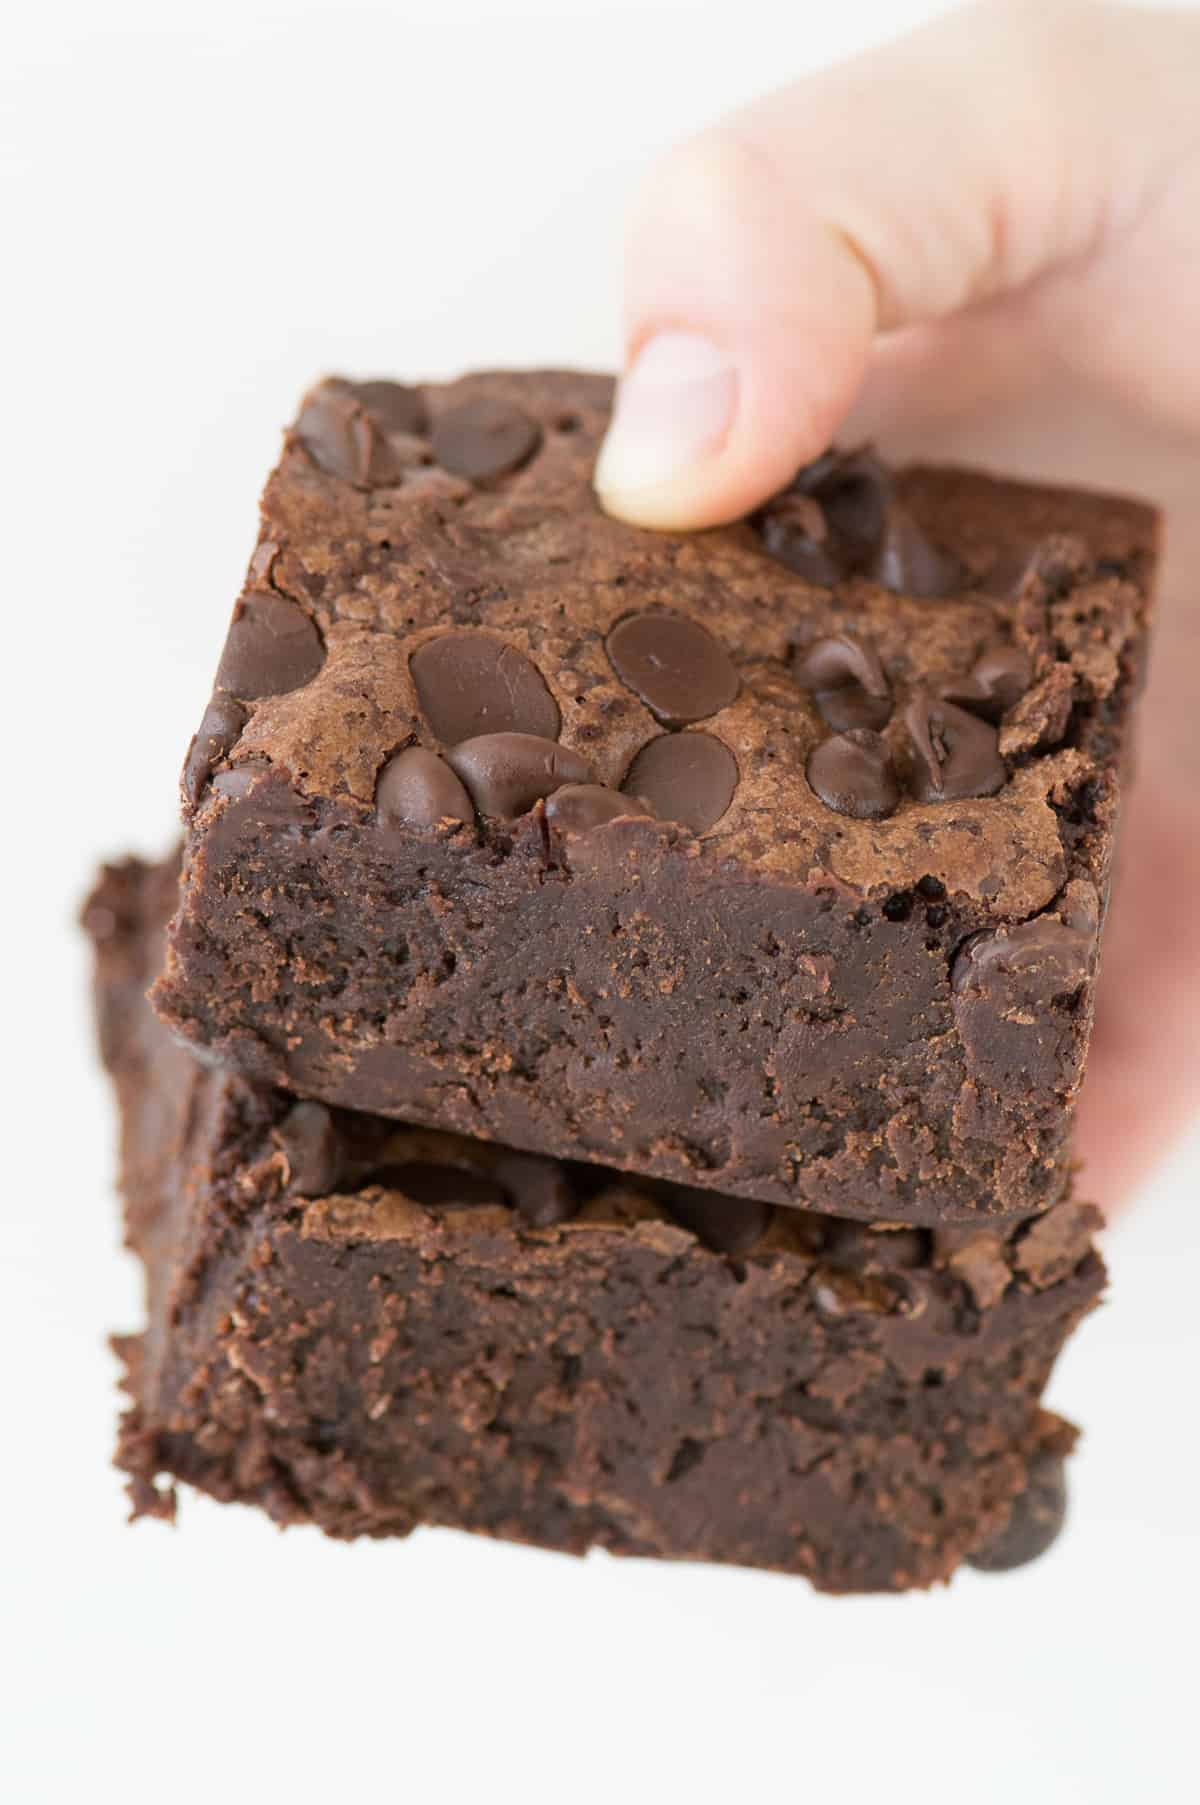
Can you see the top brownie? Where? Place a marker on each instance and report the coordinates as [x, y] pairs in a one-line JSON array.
[[771, 859]]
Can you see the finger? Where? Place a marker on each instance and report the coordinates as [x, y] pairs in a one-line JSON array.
[[957, 165]]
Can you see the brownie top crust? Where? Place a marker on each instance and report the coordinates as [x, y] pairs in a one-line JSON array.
[[881, 682]]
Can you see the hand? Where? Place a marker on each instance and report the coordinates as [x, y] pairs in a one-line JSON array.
[[981, 243]]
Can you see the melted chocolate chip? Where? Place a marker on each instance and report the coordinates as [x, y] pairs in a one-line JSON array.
[[997, 681], [469, 683], [794, 531], [731, 1225], [540, 1190], [861, 527], [220, 725], [273, 647], [426, 1181], [955, 755], [685, 777], [506, 773], [854, 490], [484, 438], [313, 1150], [1028, 964], [853, 775], [674, 664], [416, 788], [1035, 1522], [348, 439], [578, 807], [908, 561], [847, 681], [392, 406]]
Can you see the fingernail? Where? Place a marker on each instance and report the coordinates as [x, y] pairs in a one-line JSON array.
[[674, 407]]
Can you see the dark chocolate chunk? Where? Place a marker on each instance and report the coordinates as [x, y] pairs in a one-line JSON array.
[[313, 1149], [685, 777], [393, 406], [470, 683], [434, 1184], [909, 562], [540, 1190], [997, 681], [273, 647], [853, 774], [578, 807], [730, 1225], [416, 788], [955, 755], [847, 681], [506, 773], [1036, 1520], [484, 438], [220, 725], [674, 664]]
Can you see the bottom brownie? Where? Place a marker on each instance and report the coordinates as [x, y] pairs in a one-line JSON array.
[[369, 1327]]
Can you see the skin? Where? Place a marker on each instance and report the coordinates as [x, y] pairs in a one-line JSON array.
[[980, 243]]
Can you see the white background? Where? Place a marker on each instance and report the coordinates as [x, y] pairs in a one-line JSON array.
[[205, 208]]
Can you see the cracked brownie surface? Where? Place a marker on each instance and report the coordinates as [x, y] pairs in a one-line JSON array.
[[369, 1328], [771, 859]]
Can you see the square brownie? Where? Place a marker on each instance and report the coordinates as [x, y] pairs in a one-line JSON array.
[[371, 1327], [770, 859]]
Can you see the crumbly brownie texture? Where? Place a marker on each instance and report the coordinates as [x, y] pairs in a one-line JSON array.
[[770, 859], [448, 1333]]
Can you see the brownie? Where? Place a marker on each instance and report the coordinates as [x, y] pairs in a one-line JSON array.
[[770, 860], [370, 1327]]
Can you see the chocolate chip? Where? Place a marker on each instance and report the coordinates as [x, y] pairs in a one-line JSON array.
[[469, 683], [578, 807], [506, 773], [484, 438], [272, 647], [685, 777], [997, 681], [220, 725], [954, 754], [794, 531], [313, 1149], [854, 490], [908, 562], [731, 1225], [392, 406], [1035, 1522], [674, 664], [540, 1190], [416, 788], [853, 774], [425, 1181], [847, 681], [346, 439]]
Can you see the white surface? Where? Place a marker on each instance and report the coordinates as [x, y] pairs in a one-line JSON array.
[[205, 209]]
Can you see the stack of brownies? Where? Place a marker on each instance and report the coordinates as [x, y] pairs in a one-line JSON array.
[[613, 1051]]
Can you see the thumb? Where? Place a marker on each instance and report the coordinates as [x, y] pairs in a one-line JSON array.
[[767, 254]]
